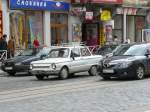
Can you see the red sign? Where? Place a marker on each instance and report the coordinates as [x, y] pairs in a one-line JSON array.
[[99, 1], [107, 1]]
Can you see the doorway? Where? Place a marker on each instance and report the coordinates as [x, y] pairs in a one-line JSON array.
[[90, 33], [59, 28]]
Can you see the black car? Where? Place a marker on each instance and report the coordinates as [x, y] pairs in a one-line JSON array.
[[21, 63], [133, 63]]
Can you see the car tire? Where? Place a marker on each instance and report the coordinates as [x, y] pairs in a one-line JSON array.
[[93, 71], [11, 73], [39, 77], [63, 73], [106, 77], [139, 72]]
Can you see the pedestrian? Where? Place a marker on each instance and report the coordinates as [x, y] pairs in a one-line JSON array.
[[128, 41], [36, 43], [116, 40], [3, 42], [3, 47], [11, 47]]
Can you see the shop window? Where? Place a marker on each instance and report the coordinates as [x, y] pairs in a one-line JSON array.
[[17, 29], [34, 22], [59, 28], [25, 26], [118, 27]]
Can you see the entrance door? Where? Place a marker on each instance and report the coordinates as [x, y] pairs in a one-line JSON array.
[[90, 33], [59, 28]]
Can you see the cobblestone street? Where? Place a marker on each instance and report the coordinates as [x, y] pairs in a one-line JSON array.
[[79, 94]]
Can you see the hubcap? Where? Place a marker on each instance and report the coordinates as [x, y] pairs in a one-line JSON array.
[[64, 73], [94, 70], [140, 72]]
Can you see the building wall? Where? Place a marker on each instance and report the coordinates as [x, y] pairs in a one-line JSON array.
[[5, 18]]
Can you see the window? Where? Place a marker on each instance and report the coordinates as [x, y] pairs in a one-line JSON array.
[[85, 52], [75, 52], [59, 28]]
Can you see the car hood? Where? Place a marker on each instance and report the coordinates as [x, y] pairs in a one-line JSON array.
[[20, 59], [121, 59], [51, 60]]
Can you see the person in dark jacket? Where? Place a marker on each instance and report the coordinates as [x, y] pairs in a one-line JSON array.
[[3, 42], [3, 47]]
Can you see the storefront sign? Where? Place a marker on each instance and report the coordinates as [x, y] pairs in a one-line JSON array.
[[39, 5], [136, 3], [89, 15], [105, 15], [99, 1], [127, 11]]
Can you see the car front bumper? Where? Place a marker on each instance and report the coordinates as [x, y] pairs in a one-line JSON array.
[[16, 68], [44, 72], [118, 72]]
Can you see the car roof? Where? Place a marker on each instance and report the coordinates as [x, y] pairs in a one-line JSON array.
[[70, 47]]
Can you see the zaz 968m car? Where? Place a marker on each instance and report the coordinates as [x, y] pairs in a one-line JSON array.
[[133, 63], [65, 61]]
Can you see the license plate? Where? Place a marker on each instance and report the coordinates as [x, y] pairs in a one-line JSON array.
[[108, 71], [8, 68]]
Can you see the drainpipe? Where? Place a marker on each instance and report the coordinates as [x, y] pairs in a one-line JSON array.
[[124, 26]]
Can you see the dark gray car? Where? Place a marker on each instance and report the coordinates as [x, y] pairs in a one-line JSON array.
[[21, 63], [133, 63]]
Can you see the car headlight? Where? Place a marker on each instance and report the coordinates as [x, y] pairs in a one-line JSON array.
[[53, 66], [31, 66], [18, 63], [125, 64]]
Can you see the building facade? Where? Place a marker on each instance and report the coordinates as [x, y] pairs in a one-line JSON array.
[[124, 19], [28, 19], [97, 19]]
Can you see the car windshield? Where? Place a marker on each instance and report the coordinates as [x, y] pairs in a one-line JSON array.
[[44, 51], [120, 50], [59, 53], [136, 50]]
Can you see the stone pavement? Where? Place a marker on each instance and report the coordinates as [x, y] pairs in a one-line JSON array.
[[119, 98]]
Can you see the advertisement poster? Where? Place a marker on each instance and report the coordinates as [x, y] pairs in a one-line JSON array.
[[76, 34], [108, 27]]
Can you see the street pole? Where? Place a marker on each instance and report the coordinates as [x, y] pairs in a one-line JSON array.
[[124, 26]]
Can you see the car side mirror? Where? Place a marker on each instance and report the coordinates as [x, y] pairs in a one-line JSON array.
[[147, 54]]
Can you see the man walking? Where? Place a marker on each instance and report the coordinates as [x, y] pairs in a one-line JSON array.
[[3, 43], [3, 47]]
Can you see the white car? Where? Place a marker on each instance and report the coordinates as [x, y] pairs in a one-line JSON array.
[[65, 61]]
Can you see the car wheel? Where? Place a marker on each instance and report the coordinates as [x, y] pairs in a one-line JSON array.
[[11, 73], [39, 77], [93, 71], [139, 72], [63, 73]]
